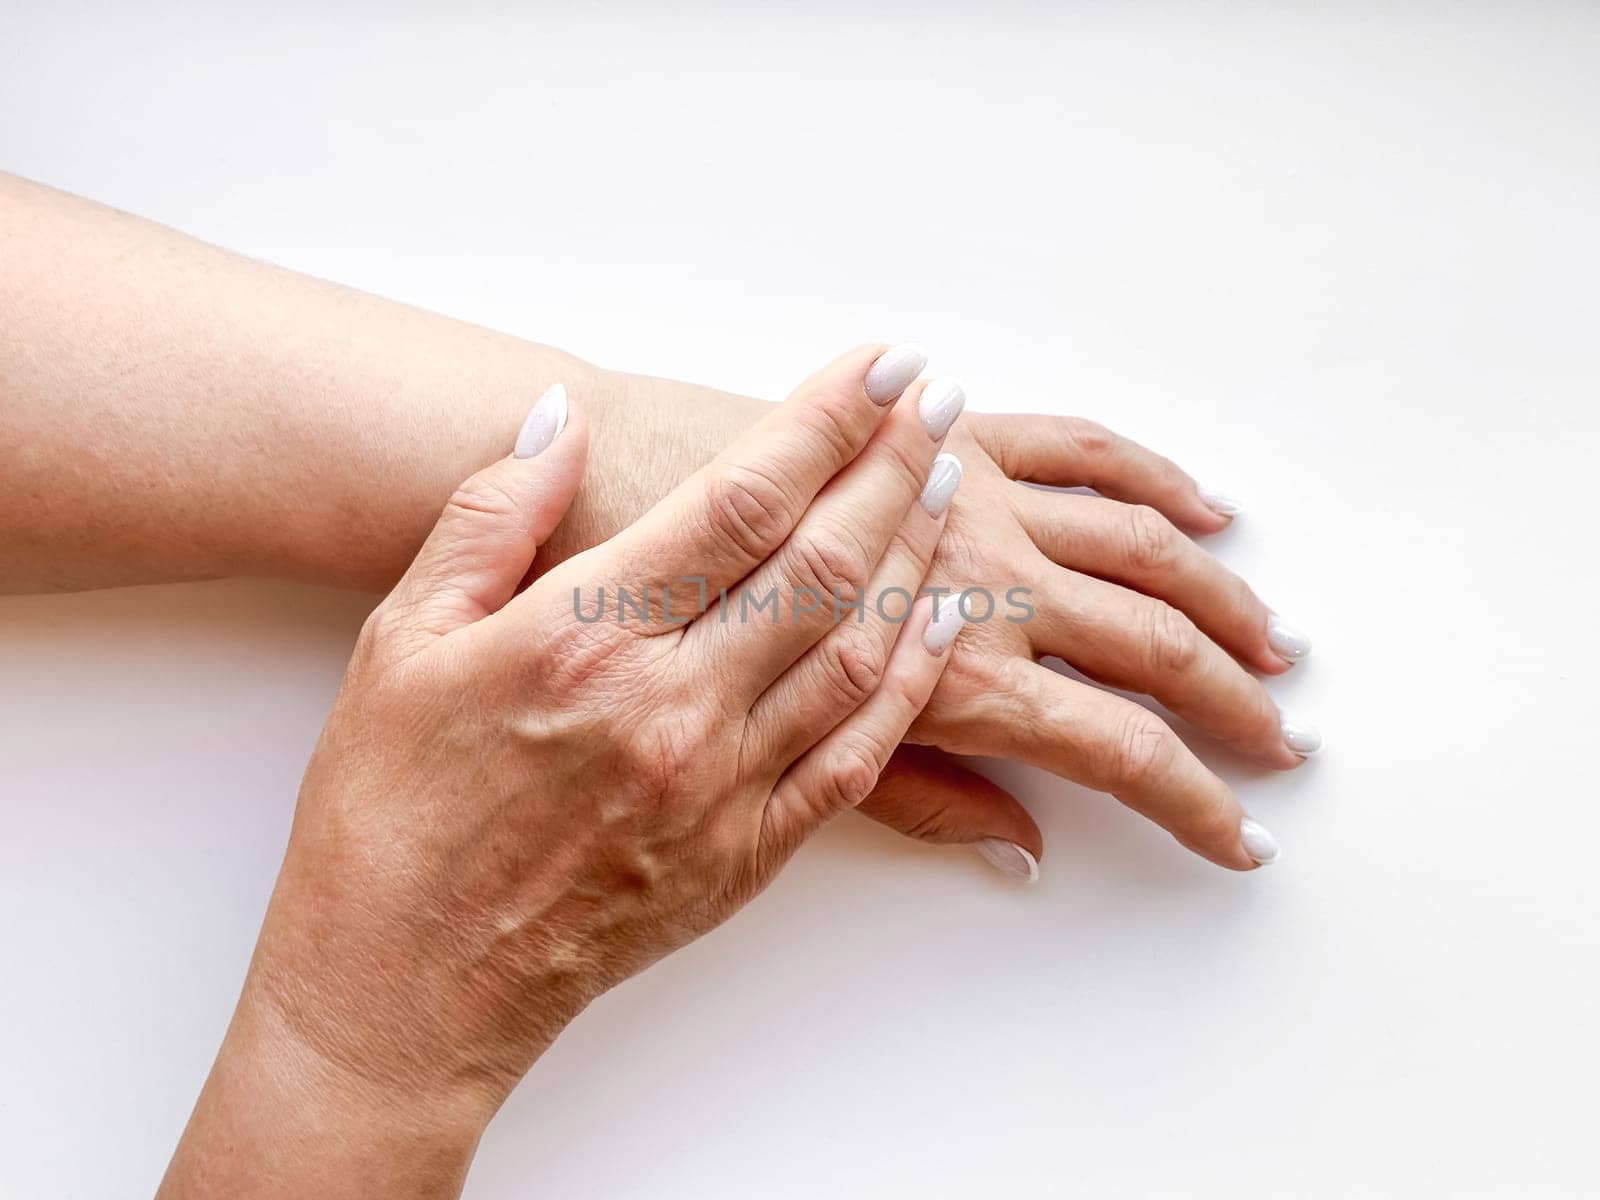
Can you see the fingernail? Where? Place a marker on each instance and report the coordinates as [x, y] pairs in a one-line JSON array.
[[943, 479], [1286, 641], [1301, 737], [544, 423], [1257, 842], [894, 370], [1010, 859], [941, 403], [1221, 502], [944, 625]]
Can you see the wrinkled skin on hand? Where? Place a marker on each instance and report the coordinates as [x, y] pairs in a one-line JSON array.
[[511, 809], [1122, 594]]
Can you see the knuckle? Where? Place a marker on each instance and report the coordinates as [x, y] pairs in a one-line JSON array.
[[392, 633], [1004, 436], [967, 545], [1088, 438], [385, 661], [908, 465], [750, 508], [830, 563], [481, 496], [1171, 639], [852, 774], [376, 629], [569, 656], [380, 633], [1212, 821], [834, 424], [1151, 542], [660, 753], [855, 662], [938, 823], [988, 430], [1246, 602], [1142, 753], [1264, 717]]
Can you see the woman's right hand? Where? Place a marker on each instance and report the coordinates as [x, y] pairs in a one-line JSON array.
[[511, 809]]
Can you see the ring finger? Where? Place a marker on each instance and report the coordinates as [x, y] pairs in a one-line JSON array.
[[1137, 643]]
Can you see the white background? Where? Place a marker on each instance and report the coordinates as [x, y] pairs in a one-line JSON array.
[[1338, 260]]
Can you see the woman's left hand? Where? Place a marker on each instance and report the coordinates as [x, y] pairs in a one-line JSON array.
[[1117, 589], [1117, 586]]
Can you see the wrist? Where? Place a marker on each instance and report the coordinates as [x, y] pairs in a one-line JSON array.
[[646, 436], [277, 1118]]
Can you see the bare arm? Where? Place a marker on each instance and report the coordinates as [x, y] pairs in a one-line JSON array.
[[173, 411]]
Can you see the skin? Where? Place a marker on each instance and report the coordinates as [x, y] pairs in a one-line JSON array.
[[172, 411], [511, 810]]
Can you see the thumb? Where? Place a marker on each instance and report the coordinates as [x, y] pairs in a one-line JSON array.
[[483, 545], [925, 794]]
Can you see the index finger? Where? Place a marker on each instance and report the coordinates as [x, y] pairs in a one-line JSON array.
[[1073, 452]]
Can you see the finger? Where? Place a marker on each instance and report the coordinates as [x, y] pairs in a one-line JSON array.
[[484, 542], [1111, 744], [1072, 452], [1145, 645], [825, 566], [836, 675], [733, 513], [840, 771], [1134, 544], [925, 794]]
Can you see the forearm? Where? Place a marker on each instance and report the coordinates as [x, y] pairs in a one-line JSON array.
[[174, 411], [274, 1120]]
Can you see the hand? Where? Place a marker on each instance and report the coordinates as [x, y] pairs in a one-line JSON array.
[[511, 809], [279, 381], [1121, 594]]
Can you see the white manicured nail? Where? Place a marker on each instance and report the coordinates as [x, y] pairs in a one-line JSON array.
[[544, 423], [1258, 843], [941, 403], [944, 625], [1287, 642], [943, 479], [1221, 502], [1301, 737], [1010, 859], [894, 370]]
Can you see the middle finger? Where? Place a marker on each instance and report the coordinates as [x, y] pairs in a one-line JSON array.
[[1135, 545]]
